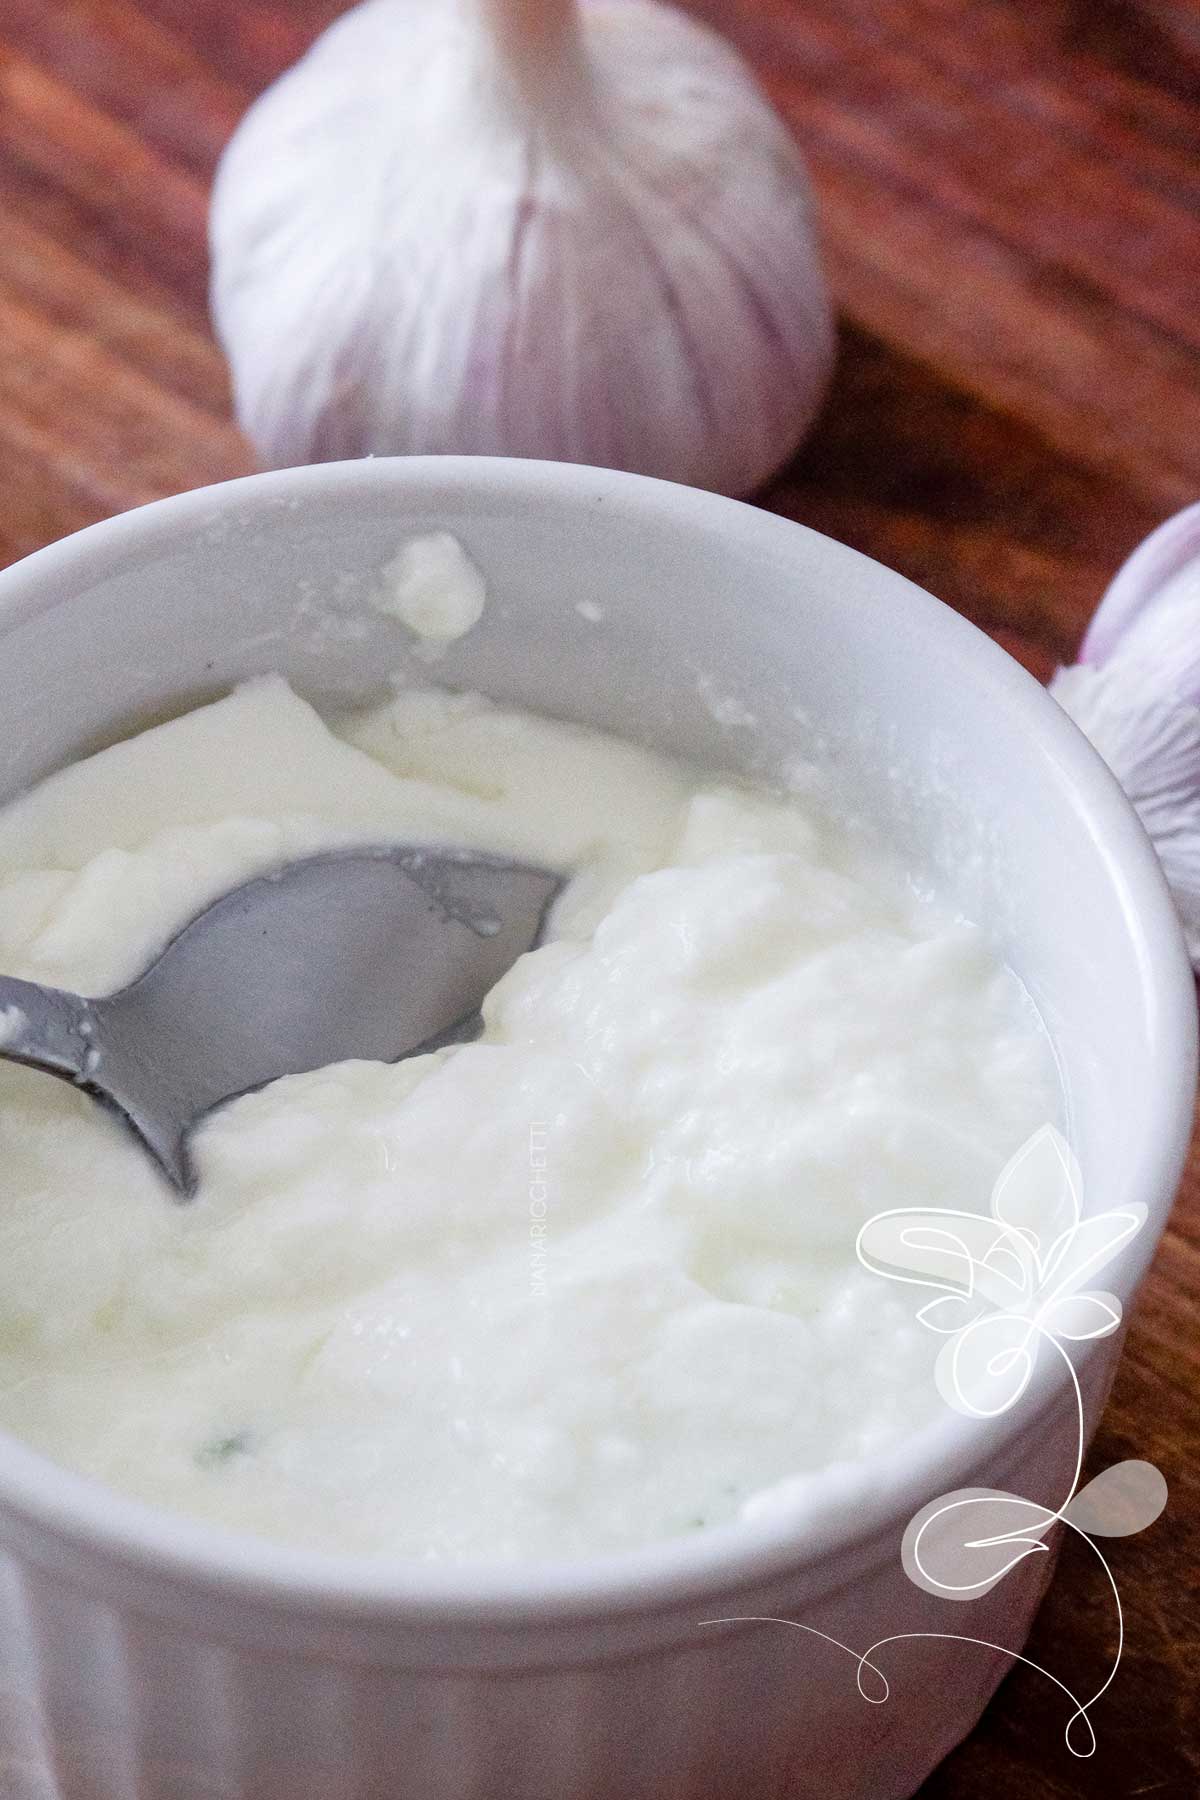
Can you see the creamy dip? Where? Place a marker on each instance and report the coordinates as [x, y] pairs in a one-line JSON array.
[[587, 1282]]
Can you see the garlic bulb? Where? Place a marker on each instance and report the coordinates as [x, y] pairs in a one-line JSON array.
[[1136, 693], [521, 227]]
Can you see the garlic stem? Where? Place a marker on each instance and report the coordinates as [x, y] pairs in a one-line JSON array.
[[538, 42], [525, 28]]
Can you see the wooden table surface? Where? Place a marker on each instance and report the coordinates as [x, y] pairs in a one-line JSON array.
[[1010, 200]]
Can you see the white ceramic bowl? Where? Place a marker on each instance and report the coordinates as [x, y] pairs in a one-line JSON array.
[[144, 1657]]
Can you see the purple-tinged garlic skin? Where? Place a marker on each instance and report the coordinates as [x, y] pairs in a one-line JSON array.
[[526, 228], [1162, 574], [1135, 692]]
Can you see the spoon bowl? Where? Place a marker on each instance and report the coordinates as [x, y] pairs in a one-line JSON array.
[[377, 954]]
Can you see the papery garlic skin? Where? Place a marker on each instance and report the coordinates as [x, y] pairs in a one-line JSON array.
[[1136, 694], [1153, 602], [591, 244]]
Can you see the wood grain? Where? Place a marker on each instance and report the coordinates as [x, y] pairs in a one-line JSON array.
[[1010, 203]]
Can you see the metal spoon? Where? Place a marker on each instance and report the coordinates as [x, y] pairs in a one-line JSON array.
[[378, 954]]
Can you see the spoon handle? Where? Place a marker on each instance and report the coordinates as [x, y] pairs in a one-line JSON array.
[[47, 1028]]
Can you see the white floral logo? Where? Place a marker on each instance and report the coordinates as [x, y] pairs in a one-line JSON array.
[[1008, 1286], [1009, 1280]]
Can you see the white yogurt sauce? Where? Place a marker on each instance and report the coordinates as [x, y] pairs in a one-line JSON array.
[[588, 1282], [434, 588]]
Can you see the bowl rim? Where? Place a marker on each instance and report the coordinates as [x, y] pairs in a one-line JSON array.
[[848, 1507]]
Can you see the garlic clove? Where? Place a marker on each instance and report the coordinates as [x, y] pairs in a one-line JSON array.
[[1156, 590], [494, 227], [1136, 695]]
